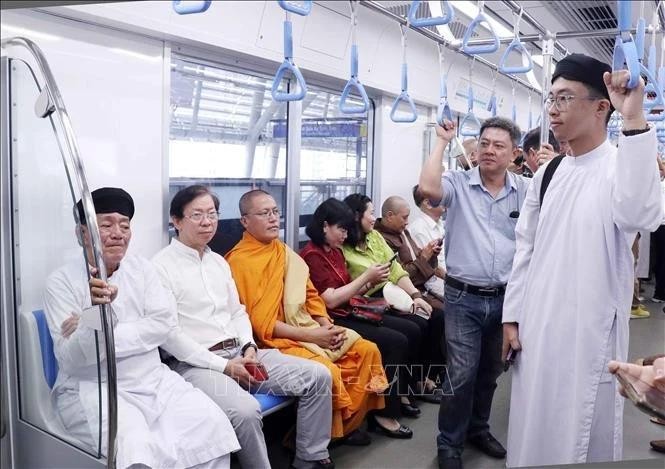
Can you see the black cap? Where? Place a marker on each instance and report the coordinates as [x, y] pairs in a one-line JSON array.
[[109, 200], [585, 69]]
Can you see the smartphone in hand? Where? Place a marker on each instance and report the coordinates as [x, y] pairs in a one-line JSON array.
[[257, 371], [640, 400], [390, 261], [510, 359]]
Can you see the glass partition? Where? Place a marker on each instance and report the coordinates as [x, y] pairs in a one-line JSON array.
[[226, 133], [62, 382]]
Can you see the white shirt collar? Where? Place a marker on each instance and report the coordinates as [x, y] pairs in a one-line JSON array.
[[190, 252]]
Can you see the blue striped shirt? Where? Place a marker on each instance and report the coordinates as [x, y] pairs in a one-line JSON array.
[[480, 237]]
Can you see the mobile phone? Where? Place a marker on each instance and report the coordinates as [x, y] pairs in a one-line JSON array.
[[639, 399], [510, 359], [390, 261], [257, 371]]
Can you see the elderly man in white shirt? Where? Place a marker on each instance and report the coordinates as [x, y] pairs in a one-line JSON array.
[[213, 344], [426, 227], [162, 420]]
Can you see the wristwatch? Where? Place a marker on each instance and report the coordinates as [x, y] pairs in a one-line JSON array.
[[630, 133], [416, 295], [248, 345]]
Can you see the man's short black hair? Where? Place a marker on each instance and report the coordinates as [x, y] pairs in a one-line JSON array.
[[532, 140], [418, 197], [333, 212], [186, 195], [505, 124]]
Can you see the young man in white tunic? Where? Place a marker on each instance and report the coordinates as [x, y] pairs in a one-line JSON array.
[[163, 421], [213, 342], [568, 300]]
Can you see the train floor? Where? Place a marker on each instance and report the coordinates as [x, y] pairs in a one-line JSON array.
[[647, 337]]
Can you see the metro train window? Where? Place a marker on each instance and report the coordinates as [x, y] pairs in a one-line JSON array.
[[226, 134], [334, 152]]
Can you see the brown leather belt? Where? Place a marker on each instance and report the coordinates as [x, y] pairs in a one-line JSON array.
[[225, 345]]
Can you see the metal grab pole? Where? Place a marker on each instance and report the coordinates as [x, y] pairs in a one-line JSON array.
[[548, 53], [50, 104]]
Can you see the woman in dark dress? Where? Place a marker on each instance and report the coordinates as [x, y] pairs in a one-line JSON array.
[[394, 338]]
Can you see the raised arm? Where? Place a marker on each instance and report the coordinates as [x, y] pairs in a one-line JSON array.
[[430, 175], [636, 199]]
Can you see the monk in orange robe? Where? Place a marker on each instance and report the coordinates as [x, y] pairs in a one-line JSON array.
[[259, 267]]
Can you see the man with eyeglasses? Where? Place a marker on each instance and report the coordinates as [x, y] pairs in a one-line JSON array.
[[568, 300], [213, 346], [158, 411], [483, 206]]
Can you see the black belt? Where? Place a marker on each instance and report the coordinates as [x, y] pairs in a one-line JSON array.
[[225, 345], [474, 289]]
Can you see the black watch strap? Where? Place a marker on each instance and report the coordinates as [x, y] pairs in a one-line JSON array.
[[630, 133], [248, 345]]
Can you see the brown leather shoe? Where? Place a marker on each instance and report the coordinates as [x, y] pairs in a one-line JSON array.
[[658, 445]]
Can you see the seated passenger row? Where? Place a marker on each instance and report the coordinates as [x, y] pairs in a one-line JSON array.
[[254, 322]]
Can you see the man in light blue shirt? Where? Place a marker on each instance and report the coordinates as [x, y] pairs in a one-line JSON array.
[[483, 205]]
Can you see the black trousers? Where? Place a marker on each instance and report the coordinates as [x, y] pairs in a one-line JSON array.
[[399, 341], [658, 245]]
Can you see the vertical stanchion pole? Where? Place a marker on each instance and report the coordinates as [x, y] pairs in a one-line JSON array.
[[548, 52]]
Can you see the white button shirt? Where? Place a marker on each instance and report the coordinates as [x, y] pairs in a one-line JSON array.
[[209, 309], [423, 230]]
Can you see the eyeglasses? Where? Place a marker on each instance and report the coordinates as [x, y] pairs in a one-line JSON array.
[[197, 217], [265, 214], [562, 101]]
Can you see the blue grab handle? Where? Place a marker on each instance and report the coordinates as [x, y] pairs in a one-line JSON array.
[[404, 96], [661, 78], [288, 39], [624, 17], [516, 46], [649, 104], [474, 121], [469, 99], [350, 108], [483, 48], [405, 77], [652, 59], [354, 83], [639, 38], [443, 112], [302, 9], [448, 15], [188, 8], [530, 120], [491, 105], [298, 93], [514, 113], [625, 53]]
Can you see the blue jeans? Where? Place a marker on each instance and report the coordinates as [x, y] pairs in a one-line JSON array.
[[474, 334]]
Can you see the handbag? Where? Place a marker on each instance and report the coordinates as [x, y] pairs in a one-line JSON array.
[[370, 310]]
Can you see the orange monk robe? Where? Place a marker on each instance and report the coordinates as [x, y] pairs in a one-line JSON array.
[[258, 270]]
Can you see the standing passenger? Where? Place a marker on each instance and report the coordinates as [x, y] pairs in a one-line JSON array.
[[570, 288], [483, 205]]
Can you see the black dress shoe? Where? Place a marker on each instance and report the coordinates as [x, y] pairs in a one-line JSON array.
[[434, 396], [357, 438], [489, 445], [403, 432], [409, 410], [321, 464], [449, 459]]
